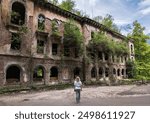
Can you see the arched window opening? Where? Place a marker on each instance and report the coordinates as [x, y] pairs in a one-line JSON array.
[[18, 13], [93, 72], [41, 22], [118, 72], [55, 26], [38, 73], [114, 71], [122, 72], [13, 74]]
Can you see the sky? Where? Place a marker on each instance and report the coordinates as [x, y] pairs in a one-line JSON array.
[[124, 12]]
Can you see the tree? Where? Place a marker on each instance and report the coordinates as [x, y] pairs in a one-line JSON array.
[[98, 19], [108, 21], [68, 5], [142, 50], [55, 2]]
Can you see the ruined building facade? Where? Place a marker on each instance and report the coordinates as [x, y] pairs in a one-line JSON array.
[[31, 54]]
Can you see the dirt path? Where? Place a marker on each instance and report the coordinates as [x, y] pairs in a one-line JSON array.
[[67, 97]]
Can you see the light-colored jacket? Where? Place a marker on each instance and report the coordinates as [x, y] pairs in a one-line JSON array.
[[77, 85]]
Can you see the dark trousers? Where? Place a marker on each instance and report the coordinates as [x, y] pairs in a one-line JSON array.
[[77, 95]]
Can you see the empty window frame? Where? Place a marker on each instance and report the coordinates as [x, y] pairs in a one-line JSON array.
[[54, 49], [41, 22], [18, 13], [40, 46], [15, 41]]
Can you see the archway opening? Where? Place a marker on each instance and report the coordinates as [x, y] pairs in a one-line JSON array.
[[118, 72], [38, 74], [18, 13], [13, 74]]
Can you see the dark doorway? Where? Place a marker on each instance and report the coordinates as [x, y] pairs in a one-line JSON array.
[[76, 72], [13, 74], [54, 73]]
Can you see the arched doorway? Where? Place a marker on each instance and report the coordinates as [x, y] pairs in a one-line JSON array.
[[39, 73], [13, 74]]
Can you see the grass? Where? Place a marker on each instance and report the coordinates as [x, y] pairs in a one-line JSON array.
[[29, 88], [60, 86]]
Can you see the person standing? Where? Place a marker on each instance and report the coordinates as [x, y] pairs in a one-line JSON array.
[[77, 88]]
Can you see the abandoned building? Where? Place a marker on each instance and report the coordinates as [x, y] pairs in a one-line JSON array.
[[33, 48]]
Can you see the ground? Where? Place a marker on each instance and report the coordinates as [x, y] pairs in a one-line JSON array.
[[130, 95]]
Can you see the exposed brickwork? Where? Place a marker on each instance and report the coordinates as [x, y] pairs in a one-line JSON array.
[[28, 60]]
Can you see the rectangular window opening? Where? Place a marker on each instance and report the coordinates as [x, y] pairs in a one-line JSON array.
[[15, 41], [40, 46]]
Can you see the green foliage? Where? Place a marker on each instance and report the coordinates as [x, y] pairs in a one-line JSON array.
[[131, 69], [108, 45], [55, 28], [23, 29], [68, 5], [72, 35], [108, 21], [15, 16], [55, 2], [142, 51], [15, 41], [41, 26]]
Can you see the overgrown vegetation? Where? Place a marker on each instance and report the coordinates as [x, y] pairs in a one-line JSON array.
[[55, 28], [108, 21], [72, 35], [142, 51], [102, 42]]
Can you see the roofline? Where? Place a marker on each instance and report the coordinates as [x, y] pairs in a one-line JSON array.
[[78, 18]]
